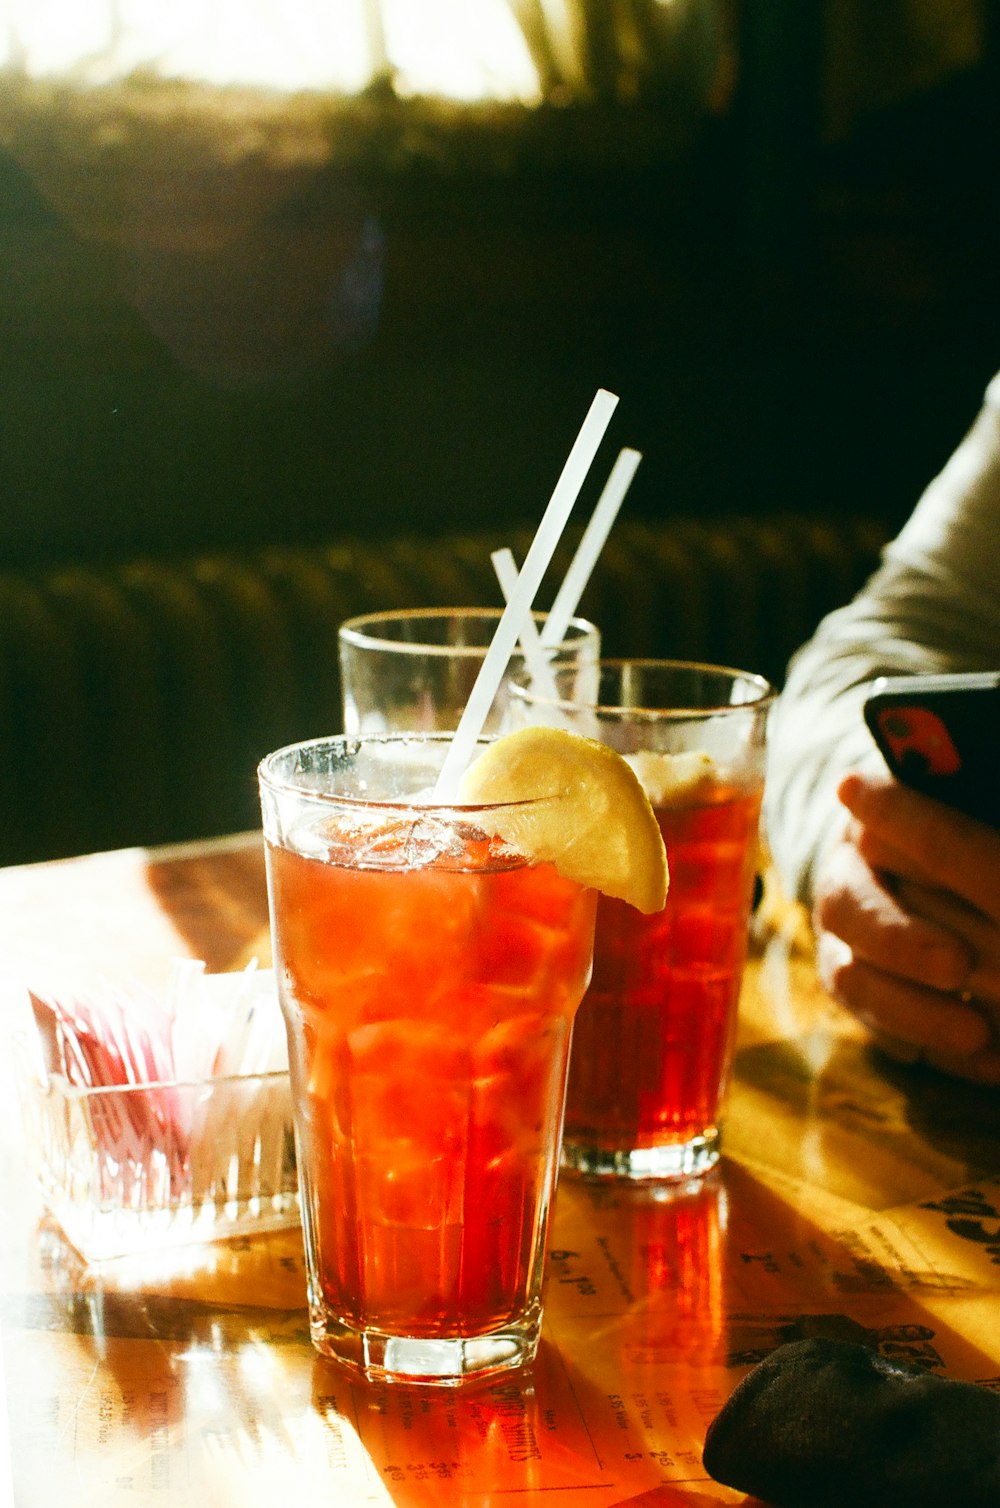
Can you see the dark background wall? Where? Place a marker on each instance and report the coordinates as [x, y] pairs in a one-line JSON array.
[[408, 340]]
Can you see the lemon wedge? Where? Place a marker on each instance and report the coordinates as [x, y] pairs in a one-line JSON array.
[[588, 814]]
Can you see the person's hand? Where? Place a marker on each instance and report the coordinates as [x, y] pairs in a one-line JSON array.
[[907, 917]]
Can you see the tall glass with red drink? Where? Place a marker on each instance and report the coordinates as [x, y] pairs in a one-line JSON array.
[[653, 1040], [429, 975]]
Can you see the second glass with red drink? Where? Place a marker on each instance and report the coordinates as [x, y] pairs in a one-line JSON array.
[[653, 1040]]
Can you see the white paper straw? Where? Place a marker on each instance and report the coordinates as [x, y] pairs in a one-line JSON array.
[[536, 563], [535, 656], [567, 598]]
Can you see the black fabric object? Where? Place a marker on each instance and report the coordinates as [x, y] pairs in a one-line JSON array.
[[823, 1424]]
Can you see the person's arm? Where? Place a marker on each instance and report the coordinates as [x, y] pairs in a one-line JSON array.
[[905, 893], [933, 605]]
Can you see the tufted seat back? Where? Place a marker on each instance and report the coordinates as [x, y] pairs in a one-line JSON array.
[[136, 699]]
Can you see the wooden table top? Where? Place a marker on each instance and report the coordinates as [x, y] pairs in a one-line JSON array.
[[856, 1198]]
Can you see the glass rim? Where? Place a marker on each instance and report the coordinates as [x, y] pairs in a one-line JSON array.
[[766, 692], [69, 1090], [359, 804], [353, 631]]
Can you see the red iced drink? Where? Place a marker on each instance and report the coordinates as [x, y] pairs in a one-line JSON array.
[[429, 973], [433, 1009], [430, 959], [653, 1038]]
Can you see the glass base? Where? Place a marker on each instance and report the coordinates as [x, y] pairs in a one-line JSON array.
[[421, 1360], [667, 1162]]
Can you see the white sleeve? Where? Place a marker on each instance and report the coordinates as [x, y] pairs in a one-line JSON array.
[[933, 605]]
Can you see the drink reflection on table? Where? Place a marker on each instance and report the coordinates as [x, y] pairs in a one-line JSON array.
[[671, 1242], [519, 1434]]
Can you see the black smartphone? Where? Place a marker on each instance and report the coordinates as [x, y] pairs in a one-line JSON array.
[[941, 735]]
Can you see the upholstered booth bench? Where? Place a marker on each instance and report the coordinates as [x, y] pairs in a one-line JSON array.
[[137, 698]]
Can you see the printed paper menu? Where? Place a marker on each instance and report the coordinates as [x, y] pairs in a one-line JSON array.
[[138, 1386]]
